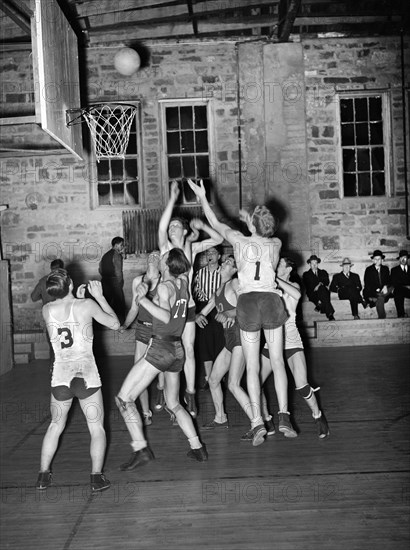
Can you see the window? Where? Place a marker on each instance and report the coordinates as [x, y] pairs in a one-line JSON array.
[[118, 181], [187, 145], [364, 132]]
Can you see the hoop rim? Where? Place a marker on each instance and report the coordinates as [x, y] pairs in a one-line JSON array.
[[88, 108]]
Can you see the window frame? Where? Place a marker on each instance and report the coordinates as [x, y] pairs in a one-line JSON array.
[[186, 102], [387, 139], [138, 157]]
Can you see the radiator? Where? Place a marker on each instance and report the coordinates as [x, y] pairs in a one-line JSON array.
[[140, 227]]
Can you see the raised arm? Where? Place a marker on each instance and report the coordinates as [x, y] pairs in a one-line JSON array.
[[224, 230], [162, 311], [133, 312], [166, 218], [290, 288], [102, 313]]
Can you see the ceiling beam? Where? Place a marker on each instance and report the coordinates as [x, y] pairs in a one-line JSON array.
[[18, 13], [285, 27]]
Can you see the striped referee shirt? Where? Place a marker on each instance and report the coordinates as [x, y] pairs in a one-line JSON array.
[[206, 283]]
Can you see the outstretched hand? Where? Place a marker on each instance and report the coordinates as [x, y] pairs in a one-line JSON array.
[[95, 289], [197, 188], [174, 191]]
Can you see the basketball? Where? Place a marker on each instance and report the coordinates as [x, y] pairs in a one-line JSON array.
[[127, 61]]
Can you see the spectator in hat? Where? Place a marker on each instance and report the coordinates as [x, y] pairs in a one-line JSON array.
[[348, 287], [377, 289], [316, 283], [400, 280]]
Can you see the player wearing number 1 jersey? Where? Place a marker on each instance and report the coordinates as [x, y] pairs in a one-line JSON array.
[[259, 306], [164, 353], [75, 374]]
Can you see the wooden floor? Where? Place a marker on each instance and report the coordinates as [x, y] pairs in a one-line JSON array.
[[351, 491]]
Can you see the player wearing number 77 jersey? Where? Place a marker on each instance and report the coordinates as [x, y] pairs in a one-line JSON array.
[[164, 353], [259, 306], [75, 374]]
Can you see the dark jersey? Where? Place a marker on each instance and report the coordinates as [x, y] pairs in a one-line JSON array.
[[178, 313]]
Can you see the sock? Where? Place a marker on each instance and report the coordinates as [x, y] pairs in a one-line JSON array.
[[194, 442], [256, 421], [317, 417], [267, 418], [137, 445]]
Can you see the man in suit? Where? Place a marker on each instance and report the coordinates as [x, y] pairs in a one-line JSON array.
[[377, 289], [348, 287], [316, 282], [400, 279], [112, 278]]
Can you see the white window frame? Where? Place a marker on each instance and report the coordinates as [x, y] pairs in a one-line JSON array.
[[163, 104], [139, 159], [387, 139]]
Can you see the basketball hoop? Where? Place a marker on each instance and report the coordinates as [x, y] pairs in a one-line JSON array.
[[109, 124]]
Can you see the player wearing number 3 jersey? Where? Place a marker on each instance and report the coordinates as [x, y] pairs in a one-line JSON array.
[[259, 306], [75, 374]]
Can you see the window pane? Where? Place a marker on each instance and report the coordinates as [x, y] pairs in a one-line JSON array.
[[131, 196], [189, 195], [131, 168], [187, 142], [103, 193], [349, 184], [202, 164], [377, 158], [186, 118], [364, 188], [174, 167], [362, 134], [132, 145], [103, 170], [376, 133], [349, 160], [188, 164], [201, 120], [201, 139], [360, 104], [172, 118], [347, 134], [117, 193], [363, 159], [117, 169], [346, 110], [375, 108], [173, 143], [378, 183]]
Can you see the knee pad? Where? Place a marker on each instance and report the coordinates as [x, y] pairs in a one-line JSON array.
[[121, 404], [306, 391], [176, 409]]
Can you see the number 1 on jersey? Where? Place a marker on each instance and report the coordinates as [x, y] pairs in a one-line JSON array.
[[257, 271]]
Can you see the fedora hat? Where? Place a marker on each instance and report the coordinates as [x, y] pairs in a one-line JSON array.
[[314, 257], [346, 261], [402, 253], [377, 253]]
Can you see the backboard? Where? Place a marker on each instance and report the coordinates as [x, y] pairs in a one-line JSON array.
[[56, 73]]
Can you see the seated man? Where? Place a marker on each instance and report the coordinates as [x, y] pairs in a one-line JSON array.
[[400, 280], [348, 287], [316, 283], [377, 288]]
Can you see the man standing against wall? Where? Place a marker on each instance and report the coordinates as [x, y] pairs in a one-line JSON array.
[[112, 278], [400, 279]]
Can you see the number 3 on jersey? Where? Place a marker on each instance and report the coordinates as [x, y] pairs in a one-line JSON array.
[[68, 341]]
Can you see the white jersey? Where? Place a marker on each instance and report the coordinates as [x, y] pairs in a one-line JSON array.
[[253, 257], [72, 343]]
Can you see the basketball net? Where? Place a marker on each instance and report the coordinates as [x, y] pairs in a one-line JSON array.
[[110, 127]]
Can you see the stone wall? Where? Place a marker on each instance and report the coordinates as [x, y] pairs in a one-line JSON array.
[[282, 96]]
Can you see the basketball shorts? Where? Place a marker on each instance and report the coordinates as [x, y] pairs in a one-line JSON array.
[[165, 356], [77, 389], [143, 332], [260, 310], [232, 337]]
